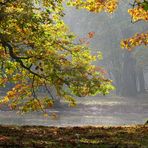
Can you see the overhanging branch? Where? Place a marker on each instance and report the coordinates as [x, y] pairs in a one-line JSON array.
[[19, 59]]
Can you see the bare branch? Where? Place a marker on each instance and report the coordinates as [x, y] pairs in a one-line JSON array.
[[48, 90], [35, 96]]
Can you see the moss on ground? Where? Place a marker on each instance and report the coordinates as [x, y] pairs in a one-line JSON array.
[[73, 137]]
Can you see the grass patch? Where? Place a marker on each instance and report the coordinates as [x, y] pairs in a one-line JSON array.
[[68, 137]]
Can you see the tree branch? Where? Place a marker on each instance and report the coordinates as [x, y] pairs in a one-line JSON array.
[[35, 96], [19, 59], [48, 91]]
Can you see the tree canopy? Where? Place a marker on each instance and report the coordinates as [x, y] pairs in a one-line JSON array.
[[38, 50]]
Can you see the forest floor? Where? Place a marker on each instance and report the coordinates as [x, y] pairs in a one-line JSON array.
[[74, 137]]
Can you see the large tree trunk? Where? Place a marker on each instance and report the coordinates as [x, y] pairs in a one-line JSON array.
[[129, 87]]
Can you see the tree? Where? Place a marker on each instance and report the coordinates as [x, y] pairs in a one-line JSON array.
[[37, 50], [138, 12]]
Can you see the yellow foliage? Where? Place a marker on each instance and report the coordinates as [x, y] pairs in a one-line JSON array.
[[138, 13], [136, 40]]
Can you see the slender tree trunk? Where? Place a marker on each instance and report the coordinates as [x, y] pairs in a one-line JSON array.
[[118, 83], [141, 80], [129, 87]]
